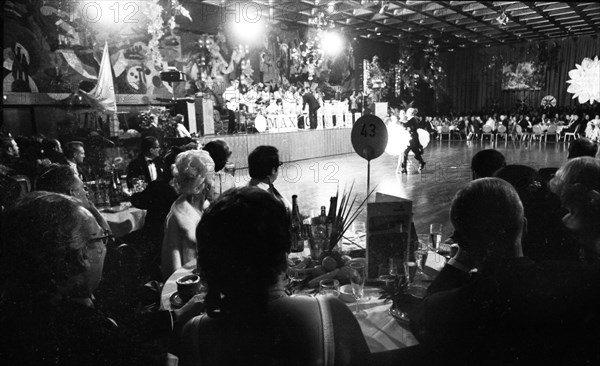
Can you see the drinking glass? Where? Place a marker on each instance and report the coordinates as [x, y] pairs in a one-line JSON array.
[[412, 288], [435, 232], [358, 285], [388, 273], [330, 287]]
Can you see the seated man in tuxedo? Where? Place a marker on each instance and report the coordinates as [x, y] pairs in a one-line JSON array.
[[148, 165], [510, 310]]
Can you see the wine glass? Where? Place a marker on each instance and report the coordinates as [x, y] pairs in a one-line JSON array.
[[412, 288], [358, 286], [329, 287]]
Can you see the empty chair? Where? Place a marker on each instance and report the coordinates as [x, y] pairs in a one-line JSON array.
[[445, 130], [551, 131], [537, 133], [487, 131], [502, 132]]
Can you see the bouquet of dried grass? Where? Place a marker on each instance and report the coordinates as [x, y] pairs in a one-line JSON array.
[[344, 217]]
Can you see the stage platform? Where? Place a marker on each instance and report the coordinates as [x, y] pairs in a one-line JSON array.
[[293, 146]]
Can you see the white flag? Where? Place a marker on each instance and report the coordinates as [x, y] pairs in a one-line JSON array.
[[102, 97]]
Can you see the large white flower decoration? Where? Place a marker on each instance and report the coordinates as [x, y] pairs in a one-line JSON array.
[[585, 81]]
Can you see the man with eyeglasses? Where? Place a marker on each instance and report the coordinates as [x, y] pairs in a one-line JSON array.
[[148, 165], [62, 179]]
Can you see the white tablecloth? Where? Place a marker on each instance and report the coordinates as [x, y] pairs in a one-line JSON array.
[[382, 332]]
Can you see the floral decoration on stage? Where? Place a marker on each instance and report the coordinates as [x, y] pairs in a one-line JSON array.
[[377, 79], [585, 81], [421, 65]]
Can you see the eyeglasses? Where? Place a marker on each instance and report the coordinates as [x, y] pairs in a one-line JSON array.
[[106, 238]]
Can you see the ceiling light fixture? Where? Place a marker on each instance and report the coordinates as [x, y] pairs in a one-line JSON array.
[[502, 18], [384, 6]]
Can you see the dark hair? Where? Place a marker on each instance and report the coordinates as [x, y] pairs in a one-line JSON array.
[[56, 178], [241, 264], [523, 178], [169, 160], [42, 241], [487, 216], [582, 147], [262, 161], [219, 152], [486, 162], [49, 144], [148, 143], [71, 148]]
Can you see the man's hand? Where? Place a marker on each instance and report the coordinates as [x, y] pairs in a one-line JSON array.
[[192, 308]]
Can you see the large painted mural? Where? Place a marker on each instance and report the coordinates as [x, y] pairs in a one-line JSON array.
[[55, 46]]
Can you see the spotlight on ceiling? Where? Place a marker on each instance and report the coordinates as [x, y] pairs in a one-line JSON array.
[[502, 18], [384, 6]]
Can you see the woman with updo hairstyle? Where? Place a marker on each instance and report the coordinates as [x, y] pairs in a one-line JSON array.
[[193, 173], [577, 183], [243, 242]]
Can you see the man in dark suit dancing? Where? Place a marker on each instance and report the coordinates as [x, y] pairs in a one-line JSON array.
[[313, 106], [414, 144], [148, 165]]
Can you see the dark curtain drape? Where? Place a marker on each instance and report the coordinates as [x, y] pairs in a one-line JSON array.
[[474, 76]]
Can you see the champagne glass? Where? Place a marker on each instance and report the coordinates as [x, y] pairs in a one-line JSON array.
[[388, 272], [358, 285], [412, 288], [435, 232]]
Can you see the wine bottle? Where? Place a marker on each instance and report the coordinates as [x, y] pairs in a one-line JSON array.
[[331, 216], [297, 242]]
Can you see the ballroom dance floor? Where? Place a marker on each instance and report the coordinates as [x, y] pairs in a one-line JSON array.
[[447, 170]]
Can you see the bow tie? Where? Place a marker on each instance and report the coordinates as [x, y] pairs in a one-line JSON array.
[[149, 162]]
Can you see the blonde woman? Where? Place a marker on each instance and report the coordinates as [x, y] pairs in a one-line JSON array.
[[193, 173]]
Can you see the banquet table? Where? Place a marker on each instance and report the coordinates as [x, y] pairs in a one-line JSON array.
[[382, 332], [124, 221]]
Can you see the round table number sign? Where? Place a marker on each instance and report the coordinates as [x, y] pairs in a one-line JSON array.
[[369, 136]]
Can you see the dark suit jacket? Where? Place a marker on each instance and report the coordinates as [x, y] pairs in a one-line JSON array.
[[139, 167], [517, 312], [313, 103]]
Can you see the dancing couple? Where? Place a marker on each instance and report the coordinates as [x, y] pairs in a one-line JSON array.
[[412, 125]]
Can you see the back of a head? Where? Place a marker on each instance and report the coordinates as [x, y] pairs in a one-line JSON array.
[[148, 143], [219, 152], [486, 162], [41, 234], [191, 167], [249, 258], [56, 178], [582, 147], [71, 148], [522, 177], [487, 216], [578, 183], [49, 145], [262, 161]]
